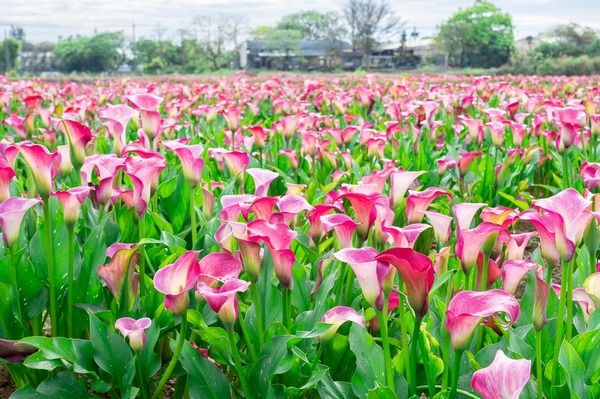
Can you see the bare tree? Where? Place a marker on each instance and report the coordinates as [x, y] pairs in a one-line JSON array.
[[371, 22], [217, 34]]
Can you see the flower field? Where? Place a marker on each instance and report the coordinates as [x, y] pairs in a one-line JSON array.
[[301, 237]]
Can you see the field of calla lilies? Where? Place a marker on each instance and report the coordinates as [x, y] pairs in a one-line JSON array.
[[301, 237]]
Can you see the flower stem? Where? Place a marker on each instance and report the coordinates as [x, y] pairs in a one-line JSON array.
[[142, 258], [258, 312], [455, 374], [140, 377], [238, 364], [484, 273], [15, 282], [463, 393], [193, 216], [560, 320], [70, 293], [51, 271], [387, 358], [249, 343], [179, 346], [569, 293], [414, 342], [566, 170], [538, 362], [287, 306]]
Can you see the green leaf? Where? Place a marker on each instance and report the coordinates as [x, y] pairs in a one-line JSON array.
[[574, 369], [59, 386], [586, 344], [77, 352], [205, 379], [369, 361], [111, 353]]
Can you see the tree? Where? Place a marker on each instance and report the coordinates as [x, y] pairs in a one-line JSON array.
[[99, 53], [314, 25], [277, 39], [569, 40], [9, 54], [478, 36], [217, 36], [371, 22]]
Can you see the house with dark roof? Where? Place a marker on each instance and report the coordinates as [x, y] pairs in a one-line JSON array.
[[309, 55]]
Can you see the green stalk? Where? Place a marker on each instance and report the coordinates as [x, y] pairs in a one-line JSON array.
[[258, 312], [249, 344], [430, 378], [70, 293], [566, 171], [569, 293], [142, 258], [445, 335], [484, 273], [238, 364], [549, 273], [538, 362], [455, 373], [15, 282], [193, 215], [287, 306], [403, 329], [387, 358], [179, 346], [51, 271], [140, 377], [339, 284], [414, 341], [560, 321]]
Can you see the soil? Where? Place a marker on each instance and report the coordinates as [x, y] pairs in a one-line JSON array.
[[7, 387]]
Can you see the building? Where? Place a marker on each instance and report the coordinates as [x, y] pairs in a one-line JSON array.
[[309, 55]]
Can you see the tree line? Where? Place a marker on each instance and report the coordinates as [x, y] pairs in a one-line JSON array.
[[479, 36]]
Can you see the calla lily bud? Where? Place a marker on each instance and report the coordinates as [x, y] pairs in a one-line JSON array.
[[135, 330]]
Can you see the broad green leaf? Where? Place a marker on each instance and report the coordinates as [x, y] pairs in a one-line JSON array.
[[205, 380]]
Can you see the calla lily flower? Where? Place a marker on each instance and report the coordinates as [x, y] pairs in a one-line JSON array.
[[591, 285], [314, 218], [465, 161], [6, 175], [147, 105], [12, 212], [78, 136], [513, 272], [144, 173], [219, 267], [336, 317], [176, 279], [517, 243], [480, 239], [135, 330], [236, 162], [404, 237], [364, 210], [369, 272], [540, 300], [568, 216], [504, 378], [120, 271], [442, 226], [417, 202], [417, 273], [467, 308], [223, 300], [117, 118], [106, 168], [343, 226], [71, 201], [262, 180], [191, 161], [41, 163], [590, 173], [400, 182], [464, 214]]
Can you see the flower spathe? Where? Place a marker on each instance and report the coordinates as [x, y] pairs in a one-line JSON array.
[[42, 165], [467, 308], [417, 273], [120, 271], [78, 136], [134, 330], [223, 300], [71, 201], [336, 317], [176, 279], [12, 212], [504, 378]]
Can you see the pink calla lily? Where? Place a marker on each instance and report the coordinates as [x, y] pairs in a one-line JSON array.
[[120, 271], [262, 180], [191, 161], [467, 308], [417, 273], [176, 279], [417, 202], [78, 136], [42, 164], [513, 272], [343, 226], [336, 317], [400, 182], [223, 300], [472, 242], [12, 212], [7, 174], [71, 201], [504, 378], [134, 330]]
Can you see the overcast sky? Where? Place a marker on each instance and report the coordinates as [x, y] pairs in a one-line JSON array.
[[49, 19]]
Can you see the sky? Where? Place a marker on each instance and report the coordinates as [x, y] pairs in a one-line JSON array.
[[47, 20]]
